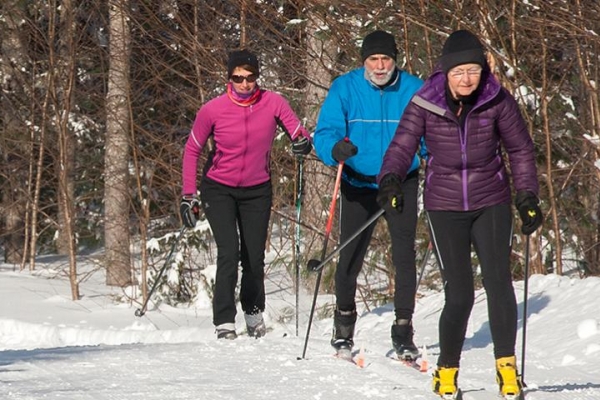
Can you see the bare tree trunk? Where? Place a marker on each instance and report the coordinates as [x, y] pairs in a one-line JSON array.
[[319, 79], [63, 70], [116, 197], [588, 73], [243, 11], [545, 99], [37, 168], [13, 149], [319, 178], [197, 54]]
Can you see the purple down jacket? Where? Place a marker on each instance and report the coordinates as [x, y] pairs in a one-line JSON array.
[[465, 167]]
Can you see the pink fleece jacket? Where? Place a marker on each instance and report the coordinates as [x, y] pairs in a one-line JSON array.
[[243, 139]]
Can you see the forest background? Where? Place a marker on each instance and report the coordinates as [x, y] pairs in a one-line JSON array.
[[98, 98]]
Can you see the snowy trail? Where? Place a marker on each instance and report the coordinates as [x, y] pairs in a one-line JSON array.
[[243, 369], [219, 370], [95, 349]]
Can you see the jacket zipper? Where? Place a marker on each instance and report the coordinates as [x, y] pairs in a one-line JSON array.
[[246, 134]]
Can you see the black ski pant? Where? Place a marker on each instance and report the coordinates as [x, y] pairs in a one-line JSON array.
[[358, 205], [239, 220], [489, 230]]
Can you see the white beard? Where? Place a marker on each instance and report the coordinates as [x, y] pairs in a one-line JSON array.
[[380, 81]]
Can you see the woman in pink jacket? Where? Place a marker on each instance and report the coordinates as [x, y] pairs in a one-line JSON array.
[[236, 187]]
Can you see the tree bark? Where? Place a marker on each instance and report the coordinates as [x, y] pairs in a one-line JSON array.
[[116, 196], [319, 179], [13, 147], [63, 88]]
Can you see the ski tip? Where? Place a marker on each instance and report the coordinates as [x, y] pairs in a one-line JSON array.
[[424, 366], [360, 359]]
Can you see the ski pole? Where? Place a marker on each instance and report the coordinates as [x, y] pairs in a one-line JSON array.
[[315, 265], [299, 188], [141, 311], [525, 291], [338, 180]]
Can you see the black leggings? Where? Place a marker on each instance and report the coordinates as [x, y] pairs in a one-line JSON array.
[[489, 230], [358, 205], [228, 211]]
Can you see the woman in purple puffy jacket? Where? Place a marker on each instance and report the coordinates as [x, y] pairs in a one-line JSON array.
[[465, 117]]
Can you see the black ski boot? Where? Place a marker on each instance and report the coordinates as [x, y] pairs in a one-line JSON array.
[[402, 340], [343, 332]]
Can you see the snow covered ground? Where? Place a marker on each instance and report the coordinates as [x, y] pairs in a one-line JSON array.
[[95, 348]]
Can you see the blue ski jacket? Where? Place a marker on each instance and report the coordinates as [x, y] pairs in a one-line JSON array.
[[368, 116]]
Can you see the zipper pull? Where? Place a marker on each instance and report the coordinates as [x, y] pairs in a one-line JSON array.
[[460, 107]]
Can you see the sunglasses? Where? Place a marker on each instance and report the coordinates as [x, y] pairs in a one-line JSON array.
[[240, 78]]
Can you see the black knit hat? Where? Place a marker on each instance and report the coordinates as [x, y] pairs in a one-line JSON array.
[[241, 57], [378, 42], [462, 47]]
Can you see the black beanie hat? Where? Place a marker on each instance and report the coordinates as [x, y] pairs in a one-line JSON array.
[[462, 47], [241, 57], [378, 42]]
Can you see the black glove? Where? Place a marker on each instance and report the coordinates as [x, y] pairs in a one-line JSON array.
[[343, 150], [189, 208], [390, 196], [529, 211], [301, 147]]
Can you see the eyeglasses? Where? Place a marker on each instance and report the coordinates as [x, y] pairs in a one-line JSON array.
[[240, 78], [459, 73]]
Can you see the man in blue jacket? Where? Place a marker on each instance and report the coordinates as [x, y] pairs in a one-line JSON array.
[[356, 124]]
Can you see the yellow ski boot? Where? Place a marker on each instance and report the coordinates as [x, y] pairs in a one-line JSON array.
[[508, 378], [445, 383]]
